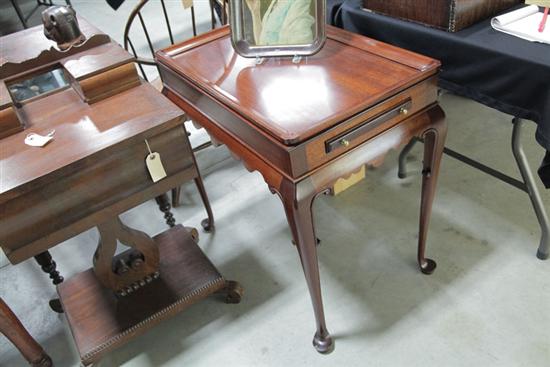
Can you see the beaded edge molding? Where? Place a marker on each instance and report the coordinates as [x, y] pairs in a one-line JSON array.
[[174, 307]]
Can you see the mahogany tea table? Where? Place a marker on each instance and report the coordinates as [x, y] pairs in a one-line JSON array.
[[305, 124]]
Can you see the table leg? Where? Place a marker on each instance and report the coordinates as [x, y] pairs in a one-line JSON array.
[[531, 189], [164, 205], [402, 171], [11, 327], [434, 143], [49, 266], [299, 215], [207, 223]]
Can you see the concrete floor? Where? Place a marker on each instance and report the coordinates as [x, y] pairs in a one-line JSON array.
[[487, 304]]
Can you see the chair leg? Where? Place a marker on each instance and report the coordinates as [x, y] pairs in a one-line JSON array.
[[532, 190], [11, 327], [207, 223], [19, 13]]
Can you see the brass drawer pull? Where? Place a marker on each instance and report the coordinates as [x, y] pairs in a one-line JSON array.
[[345, 140]]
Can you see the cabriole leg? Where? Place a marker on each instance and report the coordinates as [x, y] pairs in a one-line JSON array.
[[207, 223], [434, 143], [300, 219]]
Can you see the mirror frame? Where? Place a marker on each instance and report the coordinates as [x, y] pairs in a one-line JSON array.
[[244, 48]]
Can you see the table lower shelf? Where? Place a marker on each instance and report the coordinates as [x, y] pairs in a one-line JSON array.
[[101, 322]]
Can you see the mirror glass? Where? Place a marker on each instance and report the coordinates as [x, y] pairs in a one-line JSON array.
[[24, 89], [262, 28]]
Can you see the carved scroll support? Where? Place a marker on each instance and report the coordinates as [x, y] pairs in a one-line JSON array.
[[130, 270]]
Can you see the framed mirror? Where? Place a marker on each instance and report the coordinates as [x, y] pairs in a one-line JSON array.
[[37, 84], [262, 28]]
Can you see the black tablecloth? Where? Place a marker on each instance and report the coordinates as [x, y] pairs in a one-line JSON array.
[[498, 70]]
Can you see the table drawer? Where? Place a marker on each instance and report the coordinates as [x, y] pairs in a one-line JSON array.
[[349, 137], [101, 182], [363, 126]]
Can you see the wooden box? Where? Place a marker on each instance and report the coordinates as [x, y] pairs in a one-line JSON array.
[[450, 15]]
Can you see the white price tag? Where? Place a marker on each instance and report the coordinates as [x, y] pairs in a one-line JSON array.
[[154, 165], [37, 140]]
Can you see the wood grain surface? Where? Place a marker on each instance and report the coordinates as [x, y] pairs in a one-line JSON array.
[[303, 126], [293, 102]]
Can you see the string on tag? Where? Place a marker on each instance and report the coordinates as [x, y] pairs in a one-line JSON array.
[[148, 147]]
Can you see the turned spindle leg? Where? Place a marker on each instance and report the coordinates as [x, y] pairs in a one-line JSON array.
[[434, 143], [11, 327], [300, 220], [49, 266], [164, 205]]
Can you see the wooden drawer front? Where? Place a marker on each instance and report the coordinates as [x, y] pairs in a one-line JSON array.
[[349, 137], [96, 183], [364, 126]]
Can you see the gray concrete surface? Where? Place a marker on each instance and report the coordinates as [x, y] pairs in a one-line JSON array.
[[487, 304]]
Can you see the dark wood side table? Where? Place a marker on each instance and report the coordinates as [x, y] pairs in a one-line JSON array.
[[304, 125], [13, 329], [107, 124]]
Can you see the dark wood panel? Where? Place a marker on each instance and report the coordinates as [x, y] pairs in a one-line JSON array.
[[97, 182], [450, 15], [81, 131]]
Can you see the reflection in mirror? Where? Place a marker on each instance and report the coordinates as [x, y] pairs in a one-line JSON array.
[[277, 27], [24, 89]]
